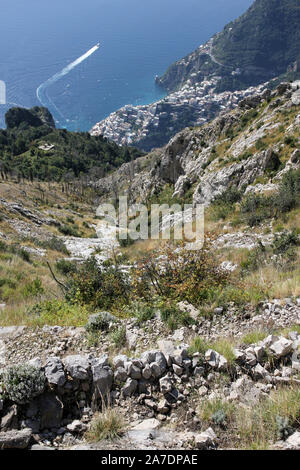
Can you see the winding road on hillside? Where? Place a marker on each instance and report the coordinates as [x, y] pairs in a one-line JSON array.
[[210, 53]]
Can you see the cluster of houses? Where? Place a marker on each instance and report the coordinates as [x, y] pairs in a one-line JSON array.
[[132, 124]]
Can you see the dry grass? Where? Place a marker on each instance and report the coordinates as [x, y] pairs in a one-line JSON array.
[[252, 427], [277, 283], [208, 408], [142, 248], [257, 427], [17, 274], [106, 425]]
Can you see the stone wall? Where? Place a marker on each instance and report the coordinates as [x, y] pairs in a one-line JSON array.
[[76, 386]]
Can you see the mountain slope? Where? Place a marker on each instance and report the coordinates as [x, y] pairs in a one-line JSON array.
[[261, 44], [31, 148], [255, 141], [265, 38]]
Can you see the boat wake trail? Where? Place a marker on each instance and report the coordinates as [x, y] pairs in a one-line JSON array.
[[41, 91]]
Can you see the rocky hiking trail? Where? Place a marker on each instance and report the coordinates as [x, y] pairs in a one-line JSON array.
[[103, 245]]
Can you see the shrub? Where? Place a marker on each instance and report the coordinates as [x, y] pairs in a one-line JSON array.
[[261, 145], [259, 425], [98, 322], [216, 411], [288, 196], [285, 241], [223, 204], [142, 311], [219, 418], [3, 246], [65, 267], [256, 208], [24, 255], [54, 244], [284, 428], [181, 275], [22, 383], [68, 230], [220, 211], [99, 287], [6, 281], [173, 317], [291, 141], [125, 242], [14, 249], [118, 336], [34, 288], [93, 339], [254, 258]]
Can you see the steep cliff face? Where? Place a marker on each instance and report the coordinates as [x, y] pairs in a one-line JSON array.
[[260, 45], [237, 149]]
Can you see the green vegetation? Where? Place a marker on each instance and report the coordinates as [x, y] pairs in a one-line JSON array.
[[96, 287], [142, 311], [174, 317], [33, 288], [262, 43], [216, 412], [22, 383], [14, 249], [223, 204], [187, 275], [53, 243], [25, 150], [264, 40], [58, 312], [257, 208], [118, 337], [65, 267], [69, 231], [198, 345], [97, 322], [271, 419], [253, 337], [222, 346]]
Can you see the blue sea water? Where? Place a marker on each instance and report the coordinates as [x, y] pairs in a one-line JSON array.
[[138, 40]]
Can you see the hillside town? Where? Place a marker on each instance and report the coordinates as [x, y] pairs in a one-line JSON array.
[[195, 104]]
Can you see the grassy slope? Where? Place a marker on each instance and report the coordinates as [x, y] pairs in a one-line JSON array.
[[18, 275]]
